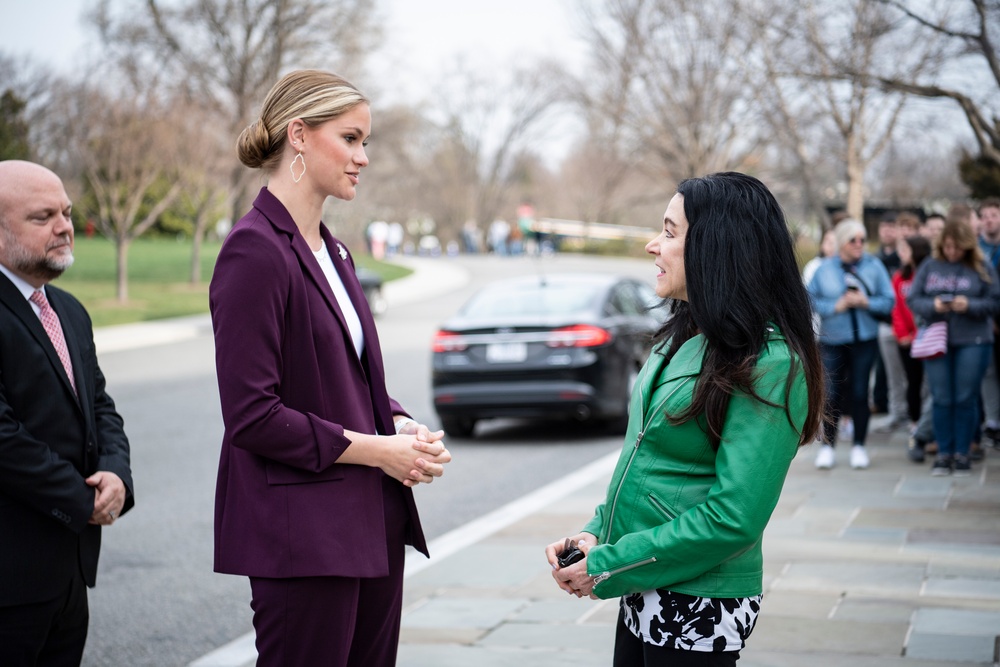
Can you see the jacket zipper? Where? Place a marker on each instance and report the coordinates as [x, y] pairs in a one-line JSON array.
[[604, 576], [635, 449], [660, 506]]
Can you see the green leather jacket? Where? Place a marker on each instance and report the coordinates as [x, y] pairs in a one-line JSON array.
[[680, 515]]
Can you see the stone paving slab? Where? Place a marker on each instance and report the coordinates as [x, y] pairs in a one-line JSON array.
[[874, 610], [955, 649], [753, 658], [464, 656], [569, 610], [930, 520], [797, 604], [954, 587], [895, 536], [961, 622], [463, 612], [486, 565], [588, 638], [924, 487], [848, 638], [854, 578]]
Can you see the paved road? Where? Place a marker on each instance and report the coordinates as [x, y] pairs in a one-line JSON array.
[[157, 601]]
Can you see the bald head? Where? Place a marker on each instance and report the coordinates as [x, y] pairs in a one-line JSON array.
[[36, 233], [18, 177]]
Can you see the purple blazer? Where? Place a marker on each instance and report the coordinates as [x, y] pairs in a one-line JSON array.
[[290, 382]]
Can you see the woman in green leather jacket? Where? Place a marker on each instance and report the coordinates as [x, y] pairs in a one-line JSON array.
[[733, 387]]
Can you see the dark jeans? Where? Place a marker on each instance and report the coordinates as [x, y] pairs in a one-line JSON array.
[[630, 651], [880, 390], [955, 381], [848, 371], [914, 369]]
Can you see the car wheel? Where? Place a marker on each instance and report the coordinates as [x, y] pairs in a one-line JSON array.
[[458, 427], [376, 301]]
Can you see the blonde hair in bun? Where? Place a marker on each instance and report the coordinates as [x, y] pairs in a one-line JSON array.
[[312, 95]]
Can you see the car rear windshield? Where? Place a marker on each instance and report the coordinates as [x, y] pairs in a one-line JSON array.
[[519, 300]]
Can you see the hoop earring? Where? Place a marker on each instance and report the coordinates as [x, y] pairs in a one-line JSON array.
[[291, 168]]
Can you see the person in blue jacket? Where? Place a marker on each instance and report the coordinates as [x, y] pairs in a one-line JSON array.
[[851, 293]]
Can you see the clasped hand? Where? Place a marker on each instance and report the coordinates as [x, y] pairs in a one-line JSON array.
[[574, 578], [852, 299], [429, 462], [109, 497]]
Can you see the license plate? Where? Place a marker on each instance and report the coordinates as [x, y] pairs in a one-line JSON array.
[[506, 353]]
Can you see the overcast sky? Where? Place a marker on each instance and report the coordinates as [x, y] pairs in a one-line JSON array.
[[421, 36]]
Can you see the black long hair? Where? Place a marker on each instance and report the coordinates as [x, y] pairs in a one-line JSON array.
[[741, 274], [920, 249]]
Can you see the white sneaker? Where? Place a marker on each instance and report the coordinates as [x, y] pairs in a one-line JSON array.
[[826, 457], [859, 457]]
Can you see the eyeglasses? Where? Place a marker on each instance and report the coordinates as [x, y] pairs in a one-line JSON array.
[[857, 239]]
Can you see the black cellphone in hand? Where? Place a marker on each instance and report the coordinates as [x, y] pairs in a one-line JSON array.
[[947, 298], [569, 555]]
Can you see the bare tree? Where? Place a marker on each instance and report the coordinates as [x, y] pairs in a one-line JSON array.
[[968, 31], [666, 97], [617, 45], [131, 154], [487, 126], [228, 53], [825, 53]]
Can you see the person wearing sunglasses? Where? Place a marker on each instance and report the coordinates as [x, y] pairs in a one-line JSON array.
[[851, 292]]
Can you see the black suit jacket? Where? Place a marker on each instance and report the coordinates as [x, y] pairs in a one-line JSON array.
[[50, 441]]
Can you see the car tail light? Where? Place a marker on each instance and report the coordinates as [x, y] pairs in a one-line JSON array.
[[448, 341], [579, 335]]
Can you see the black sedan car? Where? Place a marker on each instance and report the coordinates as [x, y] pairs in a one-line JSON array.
[[565, 345]]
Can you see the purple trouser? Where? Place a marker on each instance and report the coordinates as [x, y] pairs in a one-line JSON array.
[[334, 621]]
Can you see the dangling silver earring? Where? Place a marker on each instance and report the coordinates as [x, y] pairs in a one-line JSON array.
[[291, 168]]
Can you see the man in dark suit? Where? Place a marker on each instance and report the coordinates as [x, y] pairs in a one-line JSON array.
[[64, 457]]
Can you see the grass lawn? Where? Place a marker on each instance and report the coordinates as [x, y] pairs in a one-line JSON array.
[[158, 285]]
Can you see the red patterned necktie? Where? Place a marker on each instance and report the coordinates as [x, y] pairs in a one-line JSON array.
[[54, 329]]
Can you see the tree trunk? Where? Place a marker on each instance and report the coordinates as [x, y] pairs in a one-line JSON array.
[[196, 257], [122, 269], [855, 181]]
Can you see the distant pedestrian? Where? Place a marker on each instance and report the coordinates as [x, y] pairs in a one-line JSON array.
[[932, 226], [959, 287], [313, 501], [731, 390], [65, 469], [889, 387], [827, 248], [913, 250], [848, 292], [989, 243]]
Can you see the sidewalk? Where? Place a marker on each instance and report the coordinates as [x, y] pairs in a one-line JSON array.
[[878, 567], [870, 568]]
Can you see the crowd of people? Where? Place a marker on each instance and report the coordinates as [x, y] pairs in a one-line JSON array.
[[910, 330]]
